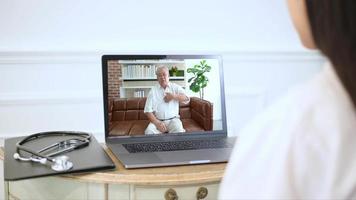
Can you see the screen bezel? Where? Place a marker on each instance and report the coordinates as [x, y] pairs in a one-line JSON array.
[[166, 137]]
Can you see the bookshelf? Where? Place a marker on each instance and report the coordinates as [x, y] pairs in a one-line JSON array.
[[138, 76]]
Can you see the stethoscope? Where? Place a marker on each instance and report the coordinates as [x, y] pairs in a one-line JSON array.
[[59, 163]]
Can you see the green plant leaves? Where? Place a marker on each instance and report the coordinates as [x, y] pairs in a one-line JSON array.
[[199, 80], [194, 87], [189, 80]]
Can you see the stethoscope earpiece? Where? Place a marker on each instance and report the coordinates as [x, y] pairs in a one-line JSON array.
[[17, 156]]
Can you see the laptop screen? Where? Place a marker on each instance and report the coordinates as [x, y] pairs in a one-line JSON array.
[[163, 95]]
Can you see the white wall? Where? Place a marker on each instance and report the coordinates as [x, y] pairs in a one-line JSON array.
[[50, 76], [154, 25]]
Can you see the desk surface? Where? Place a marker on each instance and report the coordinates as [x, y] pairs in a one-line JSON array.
[[177, 175]]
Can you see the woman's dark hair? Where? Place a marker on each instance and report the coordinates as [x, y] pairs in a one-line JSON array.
[[333, 25]]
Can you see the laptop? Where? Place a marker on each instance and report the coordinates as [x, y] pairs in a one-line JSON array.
[[194, 125]]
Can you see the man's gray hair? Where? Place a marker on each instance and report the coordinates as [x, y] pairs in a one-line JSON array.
[[162, 67]]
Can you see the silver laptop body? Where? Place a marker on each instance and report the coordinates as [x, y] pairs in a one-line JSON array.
[[194, 147]]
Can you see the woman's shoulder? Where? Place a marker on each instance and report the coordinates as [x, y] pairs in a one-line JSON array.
[[322, 101]]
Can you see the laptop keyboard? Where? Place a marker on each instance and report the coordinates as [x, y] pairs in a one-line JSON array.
[[175, 145]]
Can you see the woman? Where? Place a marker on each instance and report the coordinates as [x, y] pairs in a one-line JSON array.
[[304, 147]]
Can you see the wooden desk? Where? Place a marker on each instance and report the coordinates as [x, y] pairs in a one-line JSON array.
[[184, 182]]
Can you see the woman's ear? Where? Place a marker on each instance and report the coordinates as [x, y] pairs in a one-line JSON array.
[[299, 15]]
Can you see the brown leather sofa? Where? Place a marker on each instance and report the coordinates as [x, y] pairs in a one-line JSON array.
[[127, 117]]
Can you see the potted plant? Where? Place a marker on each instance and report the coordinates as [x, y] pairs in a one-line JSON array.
[[174, 70], [199, 80]]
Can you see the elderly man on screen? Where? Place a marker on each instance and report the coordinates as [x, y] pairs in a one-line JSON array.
[[162, 105]]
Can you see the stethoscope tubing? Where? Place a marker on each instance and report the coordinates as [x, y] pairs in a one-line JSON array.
[[85, 139]]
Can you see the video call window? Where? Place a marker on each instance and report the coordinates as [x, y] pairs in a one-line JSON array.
[[134, 90]]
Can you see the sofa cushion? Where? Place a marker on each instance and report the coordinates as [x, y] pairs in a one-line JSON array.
[[131, 115], [190, 125], [133, 104], [138, 127], [121, 128], [118, 116], [142, 115], [119, 104], [142, 103], [185, 113]]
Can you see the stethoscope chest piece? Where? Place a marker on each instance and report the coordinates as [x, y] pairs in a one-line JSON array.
[[61, 163]]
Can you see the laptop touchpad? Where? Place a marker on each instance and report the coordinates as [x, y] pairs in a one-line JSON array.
[[140, 158], [186, 156]]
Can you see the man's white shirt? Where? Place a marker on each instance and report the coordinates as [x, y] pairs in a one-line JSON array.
[[155, 101]]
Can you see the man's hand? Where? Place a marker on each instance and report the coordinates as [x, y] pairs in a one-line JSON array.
[[169, 97], [161, 126]]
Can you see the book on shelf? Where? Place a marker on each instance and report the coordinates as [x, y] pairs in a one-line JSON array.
[[139, 71], [139, 93]]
